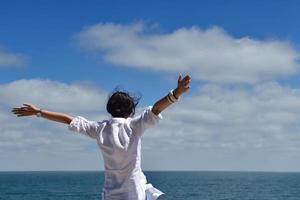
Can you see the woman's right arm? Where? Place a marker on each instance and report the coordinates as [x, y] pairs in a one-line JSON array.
[[152, 115], [183, 85], [29, 109]]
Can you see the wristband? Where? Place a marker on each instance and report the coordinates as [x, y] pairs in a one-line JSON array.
[[39, 113], [169, 99], [172, 97], [177, 98]]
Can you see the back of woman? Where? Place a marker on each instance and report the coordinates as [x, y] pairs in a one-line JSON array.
[[120, 143]]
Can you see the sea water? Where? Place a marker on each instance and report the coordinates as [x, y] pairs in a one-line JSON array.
[[175, 185]]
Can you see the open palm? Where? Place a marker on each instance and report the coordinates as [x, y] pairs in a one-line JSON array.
[[27, 109], [183, 84]]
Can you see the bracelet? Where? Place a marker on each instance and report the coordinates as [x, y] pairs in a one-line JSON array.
[[177, 98], [39, 113], [172, 97], [169, 99]]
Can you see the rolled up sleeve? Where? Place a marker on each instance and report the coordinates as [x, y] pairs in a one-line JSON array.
[[147, 119], [81, 125]]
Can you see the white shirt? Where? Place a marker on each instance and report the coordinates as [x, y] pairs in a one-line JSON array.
[[120, 142]]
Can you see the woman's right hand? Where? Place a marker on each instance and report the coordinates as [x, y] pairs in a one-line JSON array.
[[27, 109]]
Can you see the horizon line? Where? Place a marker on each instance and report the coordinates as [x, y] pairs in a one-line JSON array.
[[245, 171]]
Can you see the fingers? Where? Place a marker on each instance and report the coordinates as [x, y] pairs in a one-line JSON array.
[[22, 114], [184, 83], [26, 110], [179, 78], [22, 111], [16, 110], [28, 104], [186, 80], [20, 108]]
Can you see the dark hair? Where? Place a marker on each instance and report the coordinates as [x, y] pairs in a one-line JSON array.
[[122, 104]]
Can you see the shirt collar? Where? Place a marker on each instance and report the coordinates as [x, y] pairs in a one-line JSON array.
[[118, 119]]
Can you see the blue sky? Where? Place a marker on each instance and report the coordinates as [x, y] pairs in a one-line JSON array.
[[43, 30], [90, 46]]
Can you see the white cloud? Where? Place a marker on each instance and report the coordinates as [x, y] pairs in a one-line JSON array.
[[11, 59], [41, 144], [255, 129], [267, 111], [76, 97], [211, 54], [220, 127]]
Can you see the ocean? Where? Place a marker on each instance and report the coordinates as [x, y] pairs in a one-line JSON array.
[[203, 185]]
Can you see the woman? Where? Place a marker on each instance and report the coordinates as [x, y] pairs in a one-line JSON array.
[[119, 139]]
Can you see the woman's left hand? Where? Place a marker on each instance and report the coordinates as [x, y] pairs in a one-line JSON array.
[[183, 85]]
